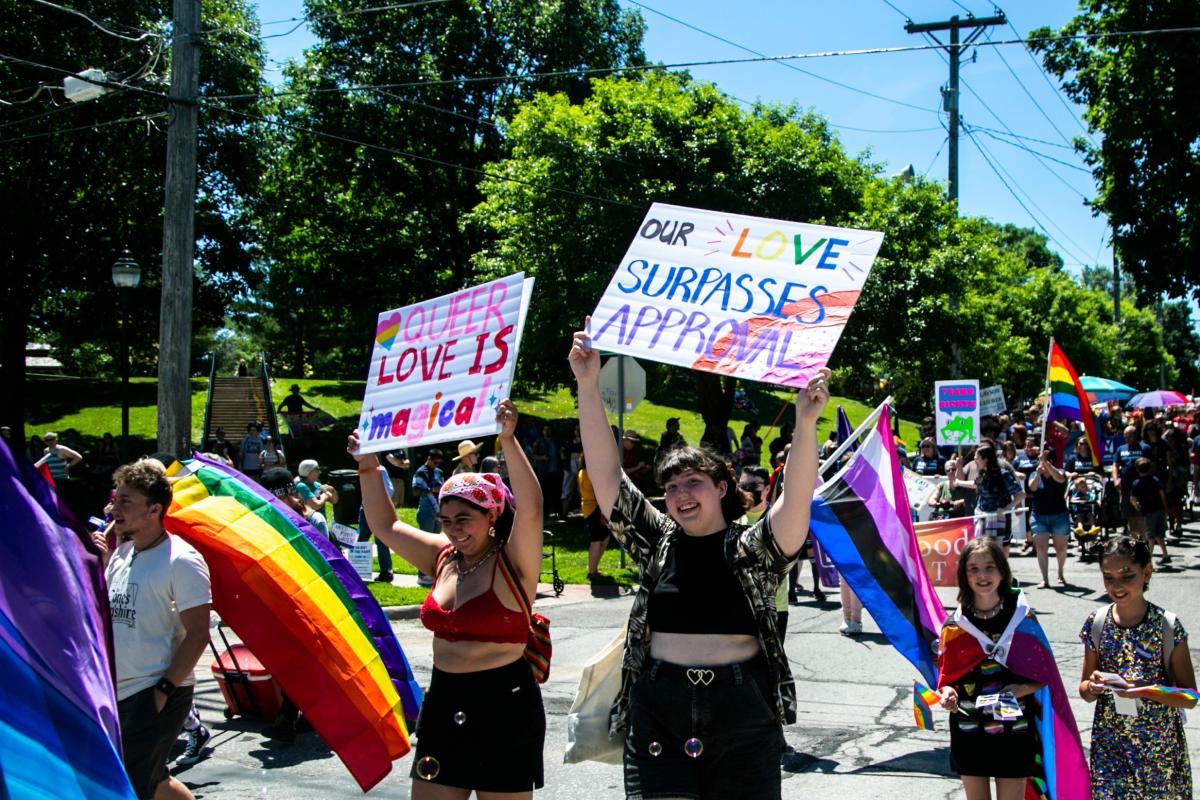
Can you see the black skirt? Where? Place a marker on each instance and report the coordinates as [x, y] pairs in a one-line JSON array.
[[482, 730]]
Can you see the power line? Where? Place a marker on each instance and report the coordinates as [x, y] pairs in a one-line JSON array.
[[1025, 138], [970, 13], [892, 6], [56, 132], [933, 160], [142, 34], [1025, 89], [1060, 178], [302, 21], [580, 73], [32, 117], [792, 67], [1055, 90], [1027, 149]]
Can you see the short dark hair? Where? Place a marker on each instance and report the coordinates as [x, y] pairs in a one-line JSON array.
[[147, 476], [1136, 550], [434, 453], [705, 461], [993, 549]]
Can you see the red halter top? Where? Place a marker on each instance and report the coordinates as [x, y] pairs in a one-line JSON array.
[[480, 619]]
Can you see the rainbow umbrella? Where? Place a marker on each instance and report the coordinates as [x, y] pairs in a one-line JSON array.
[[1159, 398], [297, 603], [1101, 390], [58, 707]]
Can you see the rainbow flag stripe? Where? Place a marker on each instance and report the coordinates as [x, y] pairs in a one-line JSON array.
[[924, 699], [1165, 691], [296, 602], [1068, 400]]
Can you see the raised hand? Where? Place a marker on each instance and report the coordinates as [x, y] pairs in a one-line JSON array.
[[506, 415], [363, 459], [811, 402], [583, 358]]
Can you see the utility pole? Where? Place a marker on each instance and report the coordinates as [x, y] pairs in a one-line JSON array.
[[1116, 290], [179, 239], [950, 95]]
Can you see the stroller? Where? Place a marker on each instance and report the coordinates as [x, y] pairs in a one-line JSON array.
[[1084, 504]]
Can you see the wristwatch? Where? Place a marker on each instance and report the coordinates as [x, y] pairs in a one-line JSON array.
[[165, 686]]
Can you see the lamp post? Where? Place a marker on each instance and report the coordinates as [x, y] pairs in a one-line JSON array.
[[126, 274]]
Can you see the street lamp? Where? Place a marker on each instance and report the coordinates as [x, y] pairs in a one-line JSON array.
[[126, 274]]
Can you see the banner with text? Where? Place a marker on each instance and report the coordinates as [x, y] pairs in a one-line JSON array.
[[439, 367], [956, 412], [941, 542], [991, 401], [761, 299]]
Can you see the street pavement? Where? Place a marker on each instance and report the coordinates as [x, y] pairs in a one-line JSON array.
[[855, 736]]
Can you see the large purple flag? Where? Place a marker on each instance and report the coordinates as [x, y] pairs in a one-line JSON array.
[[59, 735]]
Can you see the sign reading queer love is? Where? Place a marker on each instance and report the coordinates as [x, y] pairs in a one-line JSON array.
[[761, 299], [438, 368]]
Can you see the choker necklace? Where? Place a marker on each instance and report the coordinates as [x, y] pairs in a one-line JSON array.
[[462, 573], [155, 543], [981, 613]]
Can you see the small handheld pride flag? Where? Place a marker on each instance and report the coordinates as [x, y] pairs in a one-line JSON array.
[[924, 699]]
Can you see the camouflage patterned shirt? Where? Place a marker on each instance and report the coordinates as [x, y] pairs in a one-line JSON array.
[[752, 552]]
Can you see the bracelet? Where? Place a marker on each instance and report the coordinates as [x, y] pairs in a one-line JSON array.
[[165, 686]]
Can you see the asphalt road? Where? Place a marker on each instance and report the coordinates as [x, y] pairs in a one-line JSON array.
[[854, 739]]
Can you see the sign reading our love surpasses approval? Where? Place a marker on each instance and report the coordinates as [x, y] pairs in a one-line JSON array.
[[760, 299], [439, 367]]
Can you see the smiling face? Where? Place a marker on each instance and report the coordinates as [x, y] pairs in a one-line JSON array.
[[984, 577], [694, 501], [1124, 580], [466, 526]]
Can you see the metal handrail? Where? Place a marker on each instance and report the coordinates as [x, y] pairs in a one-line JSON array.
[[272, 419], [212, 378]]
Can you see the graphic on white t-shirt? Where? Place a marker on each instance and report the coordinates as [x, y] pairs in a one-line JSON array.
[[123, 606]]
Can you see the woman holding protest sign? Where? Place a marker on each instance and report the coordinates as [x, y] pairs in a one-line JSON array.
[[482, 725], [997, 493], [705, 682]]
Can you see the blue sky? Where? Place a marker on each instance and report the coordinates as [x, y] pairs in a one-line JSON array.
[[998, 98]]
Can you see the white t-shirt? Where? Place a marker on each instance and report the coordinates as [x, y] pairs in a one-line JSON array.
[[146, 593]]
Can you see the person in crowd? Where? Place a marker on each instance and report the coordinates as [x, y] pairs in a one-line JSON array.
[[982, 747], [594, 522], [755, 482], [427, 481], [806, 554], [997, 492], [314, 495], [1111, 438], [1079, 462], [1156, 449], [197, 737], [1127, 644], [382, 551], [294, 403], [751, 445], [929, 461], [572, 453], [159, 601], [671, 437], [1149, 503], [397, 465], [852, 609], [1019, 435], [58, 458], [631, 463], [1026, 459], [243, 369], [468, 457], [1124, 473], [221, 449], [482, 725], [1048, 501], [779, 444], [248, 450], [108, 455], [1081, 502], [1178, 473], [546, 465], [280, 482], [830, 446], [35, 449], [705, 683], [271, 455]]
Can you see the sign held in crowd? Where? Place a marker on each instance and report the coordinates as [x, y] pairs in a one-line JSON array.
[[956, 408], [439, 367], [760, 299], [991, 401]]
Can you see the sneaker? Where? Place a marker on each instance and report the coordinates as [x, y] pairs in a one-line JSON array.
[[793, 599], [819, 595], [195, 746], [424, 580], [1165, 560], [855, 629], [282, 730], [385, 577], [844, 628]]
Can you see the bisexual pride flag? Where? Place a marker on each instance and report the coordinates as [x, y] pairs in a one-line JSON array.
[[58, 708], [1068, 400]]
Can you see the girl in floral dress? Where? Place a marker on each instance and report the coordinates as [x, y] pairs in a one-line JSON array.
[[1142, 755]]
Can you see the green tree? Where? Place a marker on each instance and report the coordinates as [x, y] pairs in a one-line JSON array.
[[80, 183], [353, 229], [1183, 343], [1146, 111], [566, 204]]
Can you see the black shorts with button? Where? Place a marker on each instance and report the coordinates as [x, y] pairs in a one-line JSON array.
[[482, 730], [148, 734]]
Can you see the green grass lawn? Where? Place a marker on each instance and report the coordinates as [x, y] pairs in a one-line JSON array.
[[92, 406]]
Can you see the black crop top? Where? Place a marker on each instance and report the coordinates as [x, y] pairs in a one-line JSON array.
[[697, 591]]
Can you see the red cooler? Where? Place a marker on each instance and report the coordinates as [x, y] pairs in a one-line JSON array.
[[248, 688]]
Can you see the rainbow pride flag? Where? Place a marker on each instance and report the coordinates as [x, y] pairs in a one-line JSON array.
[[298, 604], [1158, 691], [1068, 400], [59, 735], [924, 699]]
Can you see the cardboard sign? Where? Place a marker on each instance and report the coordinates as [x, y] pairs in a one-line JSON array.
[[941, 542], [760, 299], [920, 489], [343, 533], [991, 401], [359, 555], [956, 412], [439, 367]]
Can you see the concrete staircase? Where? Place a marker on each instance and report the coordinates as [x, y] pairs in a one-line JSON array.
[[236, 402]]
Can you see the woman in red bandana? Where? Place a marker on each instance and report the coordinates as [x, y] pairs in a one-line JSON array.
[[482, 723]]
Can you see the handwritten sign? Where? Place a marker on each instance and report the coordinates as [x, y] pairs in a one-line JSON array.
[[941, 542], [991, 401], [359, 555], [956, 412], [439, 367], [760, 299], [921, 490]]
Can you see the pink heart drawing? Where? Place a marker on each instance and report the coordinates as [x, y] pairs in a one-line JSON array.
[[387, 330]]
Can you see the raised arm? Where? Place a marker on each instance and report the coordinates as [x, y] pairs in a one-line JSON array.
[[417, 547], [790, 515], [525, 544], [599, 449]]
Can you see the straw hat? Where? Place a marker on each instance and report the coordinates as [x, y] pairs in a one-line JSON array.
[[466, 447]]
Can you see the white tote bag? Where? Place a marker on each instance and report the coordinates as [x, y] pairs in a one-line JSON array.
[[588, 719]]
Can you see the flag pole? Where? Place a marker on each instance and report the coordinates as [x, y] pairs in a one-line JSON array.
[[844, 446], [1049, 396]]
